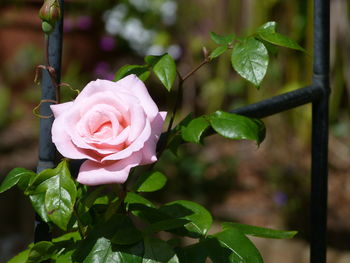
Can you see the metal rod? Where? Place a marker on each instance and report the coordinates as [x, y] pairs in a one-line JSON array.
[[280, 103], [319, 166], [47, 150]]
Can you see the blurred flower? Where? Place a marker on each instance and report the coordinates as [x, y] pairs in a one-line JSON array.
[[68, 24], [107, 43], [84, 22], [103, 70], [280, 198]]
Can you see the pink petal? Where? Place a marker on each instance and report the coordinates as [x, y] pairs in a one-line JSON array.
[[133, 147], [95, 173], [149, 149], [58, 109], [136, 87], [63, 141]]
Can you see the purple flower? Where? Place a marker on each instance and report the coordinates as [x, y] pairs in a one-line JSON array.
[[102, 70], [68, 24], [280, 198], [84, 22], [107, 43]]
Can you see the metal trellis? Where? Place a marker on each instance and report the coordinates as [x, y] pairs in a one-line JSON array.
[[317, 94]]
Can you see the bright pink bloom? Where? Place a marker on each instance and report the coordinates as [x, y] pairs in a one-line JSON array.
[[114, 125]]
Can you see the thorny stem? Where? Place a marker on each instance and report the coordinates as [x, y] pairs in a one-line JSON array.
[[178, 100]]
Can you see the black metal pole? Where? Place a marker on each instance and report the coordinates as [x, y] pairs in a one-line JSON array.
[[47, 150], [319, 166]]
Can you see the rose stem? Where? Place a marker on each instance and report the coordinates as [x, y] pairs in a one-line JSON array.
[[80, 229]]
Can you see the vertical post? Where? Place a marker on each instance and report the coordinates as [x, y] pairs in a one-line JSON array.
[[319, 167], [47, 150]]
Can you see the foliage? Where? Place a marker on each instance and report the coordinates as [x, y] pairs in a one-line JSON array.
[[122, 225]]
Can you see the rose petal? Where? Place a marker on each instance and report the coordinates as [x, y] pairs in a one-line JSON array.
[[136, 87], [94, 173], [58, 109], [64, 144], [149, 149]]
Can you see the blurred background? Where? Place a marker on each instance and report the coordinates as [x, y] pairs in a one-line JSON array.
[[266, 186]]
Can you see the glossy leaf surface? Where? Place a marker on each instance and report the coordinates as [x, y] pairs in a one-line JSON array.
[[199, 218], [59, 191], [194, 131], [164, 68], [150, 182], [250, 59], [259, 231], [242, 249], [237, 127], [16, 176]]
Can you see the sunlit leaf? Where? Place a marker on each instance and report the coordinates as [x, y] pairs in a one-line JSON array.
[[280, 40], [259, 231], [237, 127], [150, 182], [268, 27], [59, 191], [199, 218], [41, 251], [250, 59], [217, 52], [16, 176], [242, 249], [164, 68], [194, 131], [22, 257], [267, 32]]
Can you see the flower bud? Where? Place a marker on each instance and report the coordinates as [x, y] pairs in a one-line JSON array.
[[46, 27], [50, 13]]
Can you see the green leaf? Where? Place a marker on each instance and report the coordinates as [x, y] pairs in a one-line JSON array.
[[194, 253], [38, 203], [22, 257], [65, 256], [98, 246], [16, 176], [280, 40], [158, 251], [133, 198], [194, 131], [222, 40], [259, 231], [242, 249], [150, 182], [41, 251], [125, 232], [101, 250], [59, 192], [199, 218], [217, 52], [268, 27], [165, 69], [267, 32], [165, 225], [141, 71], [237, 127], [250, 59], [75, 236], [175, 136]]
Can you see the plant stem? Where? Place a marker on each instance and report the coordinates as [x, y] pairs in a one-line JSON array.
[[80, 229], [189, 74]]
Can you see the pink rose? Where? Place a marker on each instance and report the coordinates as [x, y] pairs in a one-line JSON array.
[[114, 125]]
